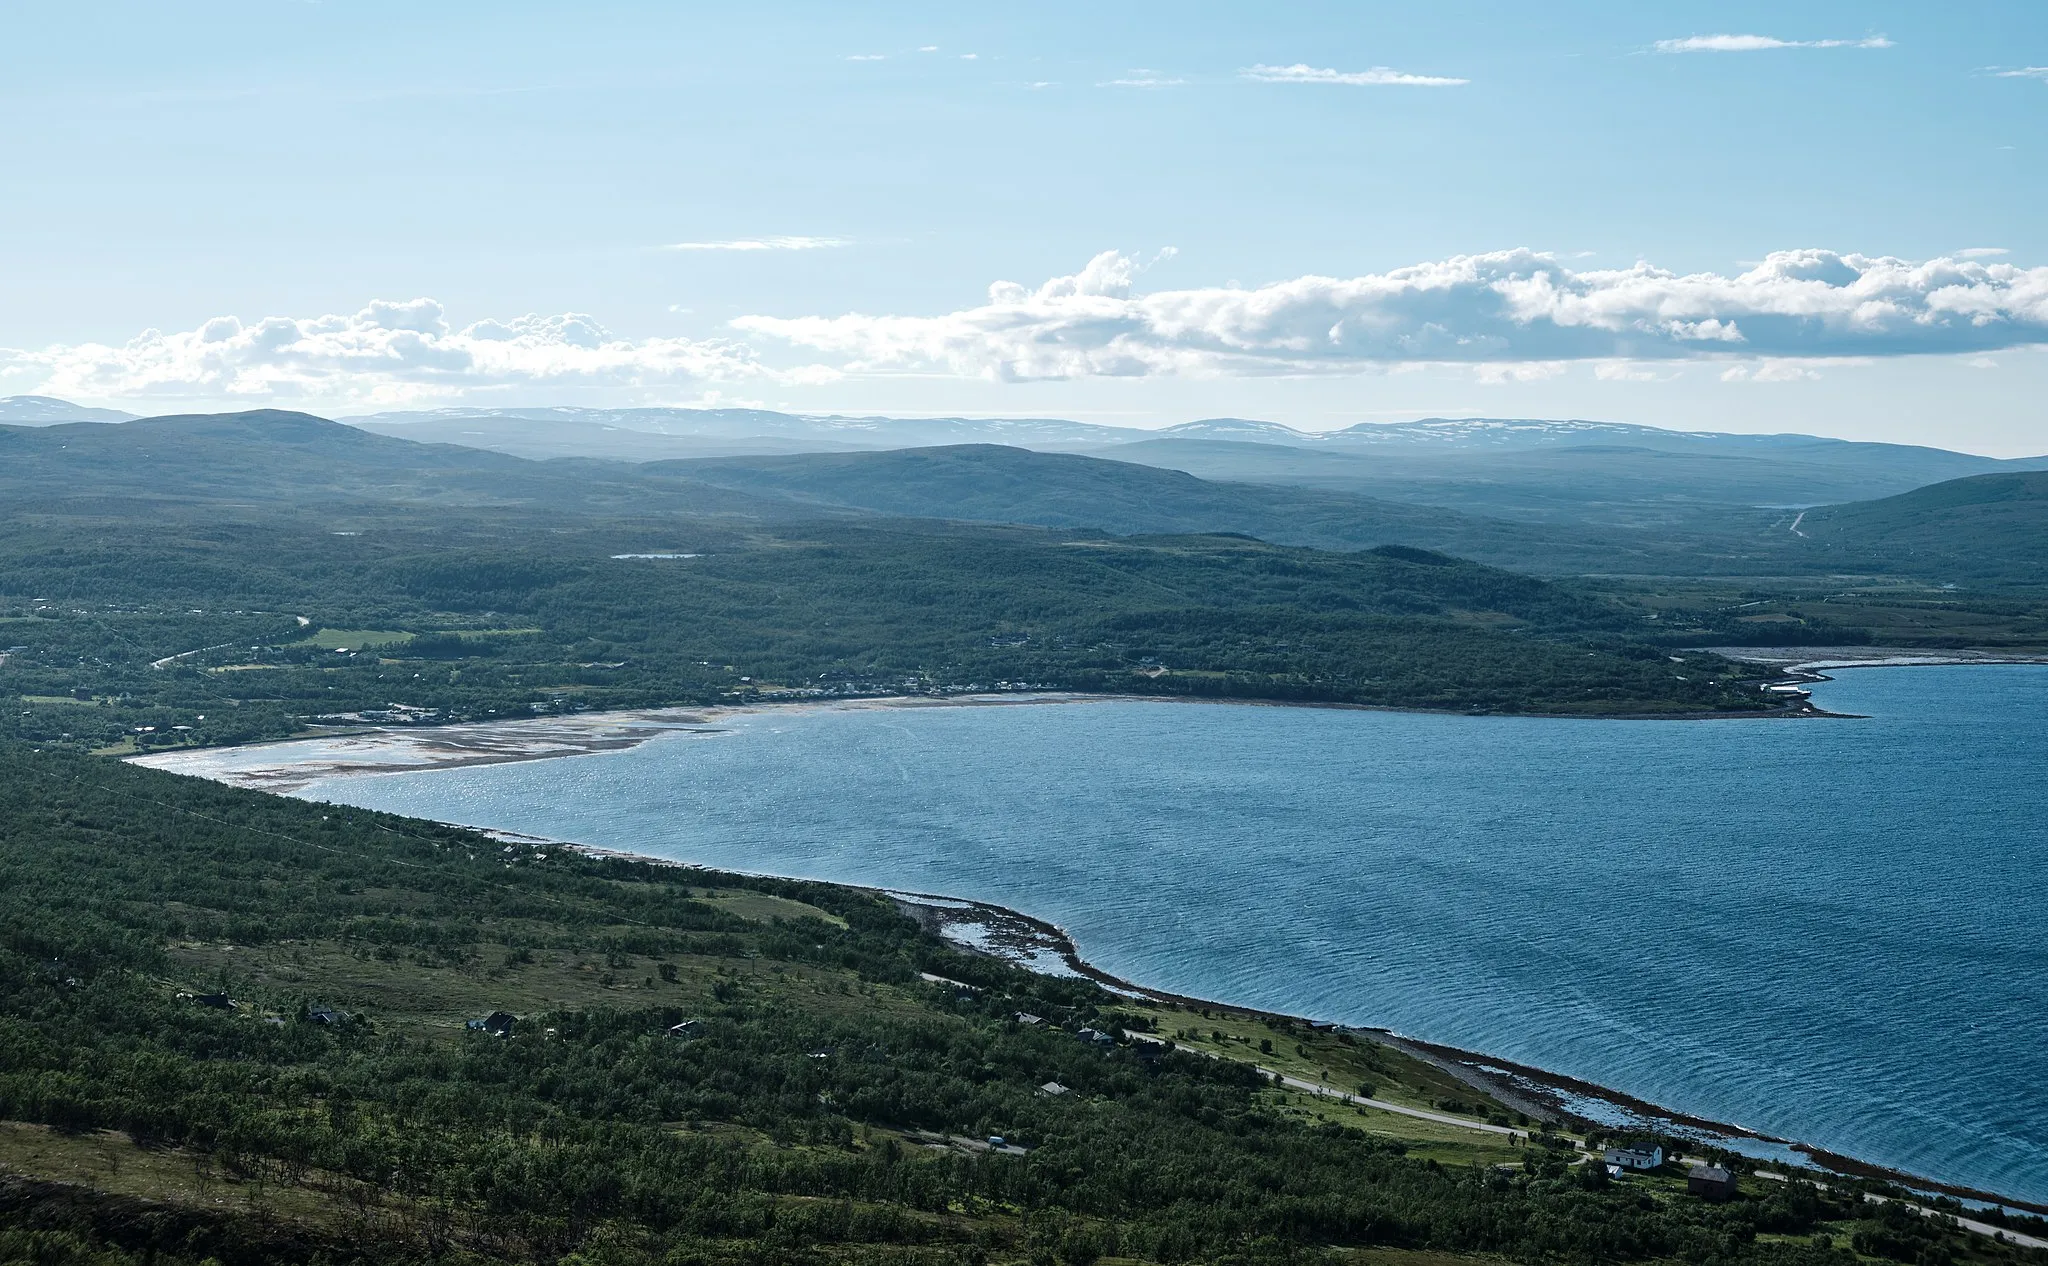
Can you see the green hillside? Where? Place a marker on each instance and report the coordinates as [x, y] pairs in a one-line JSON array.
[[274, 457], [1985, 529], [995, 483], [216, 626]]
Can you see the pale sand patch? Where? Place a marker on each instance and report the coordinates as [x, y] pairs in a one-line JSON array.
[[293, 764]]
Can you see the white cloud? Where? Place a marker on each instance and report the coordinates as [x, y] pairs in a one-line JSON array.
[[1629, 371], [1142, 82], [1759, 43], [387, 352], [1502, 308], [1982, 252], [1503, 373], [762, 244], [1779, 370], [868, 57], [2025, 72], [970, 57], [1378, 76]]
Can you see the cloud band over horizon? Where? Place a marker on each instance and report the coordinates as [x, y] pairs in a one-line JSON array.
[[1496, 308], [1506, 314], [387, 352]]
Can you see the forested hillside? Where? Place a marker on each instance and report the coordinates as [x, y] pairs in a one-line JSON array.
[[252, 629], [992, 483], [233, 1028], [1986, 530]]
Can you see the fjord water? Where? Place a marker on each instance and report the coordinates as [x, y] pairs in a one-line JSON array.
[[1831, 930]]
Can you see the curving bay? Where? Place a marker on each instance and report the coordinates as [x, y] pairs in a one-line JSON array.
[[1828, 930]]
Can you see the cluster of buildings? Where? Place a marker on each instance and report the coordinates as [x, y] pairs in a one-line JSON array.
[[1709, 1182]]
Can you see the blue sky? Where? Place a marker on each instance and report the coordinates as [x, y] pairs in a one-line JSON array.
[[1319, 214]]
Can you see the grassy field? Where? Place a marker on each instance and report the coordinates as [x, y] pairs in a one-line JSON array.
[[355, 639]]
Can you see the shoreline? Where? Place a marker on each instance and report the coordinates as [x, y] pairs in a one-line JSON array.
[[1035, 944], [367, 751]]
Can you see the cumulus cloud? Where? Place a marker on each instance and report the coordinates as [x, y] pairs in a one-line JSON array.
[[1377, 77], [388, 351], [1759, 43], [1502, 308], [762, 244]]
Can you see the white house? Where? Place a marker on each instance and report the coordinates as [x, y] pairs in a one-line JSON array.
[[1638, 1158]]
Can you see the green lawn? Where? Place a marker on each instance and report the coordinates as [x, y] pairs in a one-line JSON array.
[[355, 639]]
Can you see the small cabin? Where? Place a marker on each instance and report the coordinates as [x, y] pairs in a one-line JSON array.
[[218, 1001], [688, 1028], [1025, 1017], [497, 1024], [1053, 1089], [1096, 1037], [326, 1015], [1710, 1182], [1639, 1159]]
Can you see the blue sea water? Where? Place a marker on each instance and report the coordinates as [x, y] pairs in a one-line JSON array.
[[1831, 930]]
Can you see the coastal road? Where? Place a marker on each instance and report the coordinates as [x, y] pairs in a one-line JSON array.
[[168, 660], [1968, 1224], [1319, 1089], [1344, 1096]]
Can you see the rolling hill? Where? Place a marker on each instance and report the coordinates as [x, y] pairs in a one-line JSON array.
[[1575, 506], [46, 410], [1988, 528], [997, 484], [1611, 483], [273, 457], [1604, 474]]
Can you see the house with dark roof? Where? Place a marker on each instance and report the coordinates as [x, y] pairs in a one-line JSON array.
[[497, 1024], [1710, 1182]]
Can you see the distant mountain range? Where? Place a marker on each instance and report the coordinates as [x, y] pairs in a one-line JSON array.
[[1986, 527], [838, 431], [1569, 471], [1563, 473], [1471, 485]]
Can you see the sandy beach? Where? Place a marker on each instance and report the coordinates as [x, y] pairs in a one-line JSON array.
[[290, 765]]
